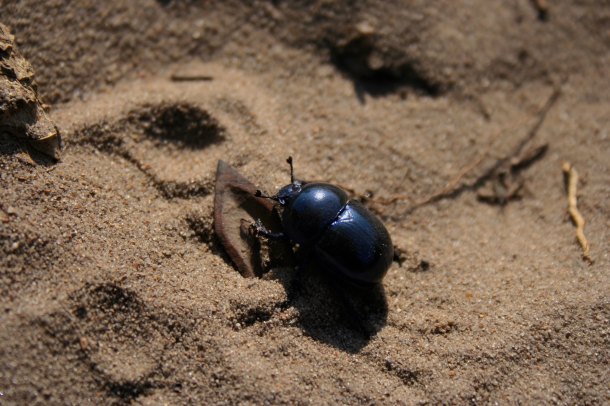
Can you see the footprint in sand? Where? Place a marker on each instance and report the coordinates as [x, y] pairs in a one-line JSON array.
[[175, 132]]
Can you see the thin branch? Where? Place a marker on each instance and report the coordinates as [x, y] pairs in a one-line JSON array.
[[190, 78], [572, 181], [454, 187]]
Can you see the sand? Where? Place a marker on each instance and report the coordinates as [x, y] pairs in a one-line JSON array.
[[115, 289]]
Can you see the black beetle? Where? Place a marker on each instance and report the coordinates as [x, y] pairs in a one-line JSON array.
[[342, 236]]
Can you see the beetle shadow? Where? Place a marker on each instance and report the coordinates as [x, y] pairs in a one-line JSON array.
[[332, 311]]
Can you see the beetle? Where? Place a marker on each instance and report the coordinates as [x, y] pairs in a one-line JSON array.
[[340, 235]]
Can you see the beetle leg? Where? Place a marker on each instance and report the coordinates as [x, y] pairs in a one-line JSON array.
[[262, 230]]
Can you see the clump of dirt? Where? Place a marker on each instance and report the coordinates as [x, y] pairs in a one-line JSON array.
[[22, 114]]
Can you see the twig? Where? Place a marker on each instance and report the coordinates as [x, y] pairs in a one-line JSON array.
[[190, 78], [453, 187], [572, 181], [530, 156]]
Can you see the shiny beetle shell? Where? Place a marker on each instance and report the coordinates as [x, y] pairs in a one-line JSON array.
[[342, 236]]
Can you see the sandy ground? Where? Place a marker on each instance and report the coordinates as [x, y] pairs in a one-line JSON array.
[[115, 290]]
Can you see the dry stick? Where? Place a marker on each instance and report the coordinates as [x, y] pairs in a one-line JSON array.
[[190, 78], [453, 188], [572, 181], [518, 164]]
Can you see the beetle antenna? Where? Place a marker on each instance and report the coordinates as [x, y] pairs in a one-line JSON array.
[[258, 193], [289, 160]]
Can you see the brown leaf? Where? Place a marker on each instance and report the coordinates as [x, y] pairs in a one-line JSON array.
[[235, 207]]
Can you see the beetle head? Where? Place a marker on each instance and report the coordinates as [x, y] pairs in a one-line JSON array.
[[288, 192]]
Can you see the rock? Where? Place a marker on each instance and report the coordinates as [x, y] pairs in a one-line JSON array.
[[22, 115]]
